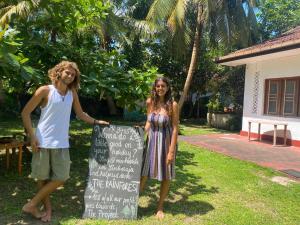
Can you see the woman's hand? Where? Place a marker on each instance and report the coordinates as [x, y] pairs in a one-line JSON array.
[[34, 144], [170, 157], [101, 122]]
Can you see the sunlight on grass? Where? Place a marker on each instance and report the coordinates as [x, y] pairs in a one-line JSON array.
[[209, 189], [187, 130]]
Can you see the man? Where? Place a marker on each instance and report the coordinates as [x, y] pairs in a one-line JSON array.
[[50, 142]]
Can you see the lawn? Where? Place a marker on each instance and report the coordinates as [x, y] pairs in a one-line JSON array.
[[191, 129], [209, 189]]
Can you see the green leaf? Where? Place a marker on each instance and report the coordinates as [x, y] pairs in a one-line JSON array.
[[26, 73], [12, 60], [24, 60]]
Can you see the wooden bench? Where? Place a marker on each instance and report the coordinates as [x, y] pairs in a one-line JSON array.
[[11, 143], [270, 122]]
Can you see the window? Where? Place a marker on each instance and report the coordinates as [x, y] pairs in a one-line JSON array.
[[273, 97], [282, 97]]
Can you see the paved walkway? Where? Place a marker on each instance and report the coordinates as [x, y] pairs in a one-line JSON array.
[[262, 153]]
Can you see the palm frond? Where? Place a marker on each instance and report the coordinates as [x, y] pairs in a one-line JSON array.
[[99, 28], [219, 22], [22, 9], [241, 28], [233, 23], [177, 17], [160, 10], [172, 13], [144, 27], [253, 26]]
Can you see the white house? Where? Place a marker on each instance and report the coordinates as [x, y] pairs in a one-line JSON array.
[[272, 86]]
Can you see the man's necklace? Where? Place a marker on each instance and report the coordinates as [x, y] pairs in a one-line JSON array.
[[62, 96]]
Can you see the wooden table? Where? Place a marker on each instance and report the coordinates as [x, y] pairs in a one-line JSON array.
[[274, 123], [14, 144]]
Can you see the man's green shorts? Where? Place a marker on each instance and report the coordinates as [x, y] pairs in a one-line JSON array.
[[51, 164]]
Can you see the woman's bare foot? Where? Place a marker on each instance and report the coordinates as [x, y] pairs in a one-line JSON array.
[[160, 214], [32, 210], [47, 218]]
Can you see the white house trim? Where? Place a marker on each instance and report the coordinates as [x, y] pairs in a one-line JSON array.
[[278, 59]]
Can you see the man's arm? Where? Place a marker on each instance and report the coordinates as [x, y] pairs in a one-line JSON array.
[[82, 115], [40, 95]]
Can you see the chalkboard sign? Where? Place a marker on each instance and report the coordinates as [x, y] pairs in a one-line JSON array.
[[114, 172]]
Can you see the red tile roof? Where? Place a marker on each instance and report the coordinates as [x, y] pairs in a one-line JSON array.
[[288, 39]]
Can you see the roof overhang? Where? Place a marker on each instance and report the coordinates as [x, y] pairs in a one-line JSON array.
[[260, 54]]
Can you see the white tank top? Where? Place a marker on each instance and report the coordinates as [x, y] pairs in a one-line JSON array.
[[53, 128]]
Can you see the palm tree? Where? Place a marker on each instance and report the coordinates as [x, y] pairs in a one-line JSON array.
[[116, 27], [19, 8], [231, 22]]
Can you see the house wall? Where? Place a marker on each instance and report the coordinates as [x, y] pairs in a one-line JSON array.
[[256, 73]]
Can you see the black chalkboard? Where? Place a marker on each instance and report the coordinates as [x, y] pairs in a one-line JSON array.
[[114, 172]]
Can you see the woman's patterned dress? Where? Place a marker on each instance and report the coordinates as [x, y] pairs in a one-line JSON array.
[[158, 142]]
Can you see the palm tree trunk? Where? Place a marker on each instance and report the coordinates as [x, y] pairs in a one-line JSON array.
[[193, 63], [53, 36], [113, 111]]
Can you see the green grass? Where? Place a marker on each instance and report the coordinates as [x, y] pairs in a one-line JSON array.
[[188, 129], [9, 126], [209, 189]]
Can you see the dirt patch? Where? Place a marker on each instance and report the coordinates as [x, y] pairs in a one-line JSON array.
[[285, 181]]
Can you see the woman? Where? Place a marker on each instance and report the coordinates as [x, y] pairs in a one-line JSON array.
[[162, 131]]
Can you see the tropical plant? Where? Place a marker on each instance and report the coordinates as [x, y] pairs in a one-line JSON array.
[[224, 19], [14, 68], [106, 76], [77, 30], [21, 9], [278, 16], [223, 94]]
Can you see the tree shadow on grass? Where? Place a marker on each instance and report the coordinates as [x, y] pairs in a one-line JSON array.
[[68, 202], [186, 184]]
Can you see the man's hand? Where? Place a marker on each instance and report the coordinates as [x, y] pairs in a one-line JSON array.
[[170, 157], [34, 144], [101, 122]]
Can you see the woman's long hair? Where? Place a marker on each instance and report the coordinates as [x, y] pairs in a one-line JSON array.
[[168, 100]]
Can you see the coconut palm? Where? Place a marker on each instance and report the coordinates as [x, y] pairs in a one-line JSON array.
[[231, 22], [14, 7]]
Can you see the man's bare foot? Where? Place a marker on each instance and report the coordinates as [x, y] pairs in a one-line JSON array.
[[47, 218], [160, 214], [31, 209]]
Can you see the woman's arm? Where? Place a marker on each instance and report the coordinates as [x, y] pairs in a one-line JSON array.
[[175, 120], [82, 115], [148, 125]]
